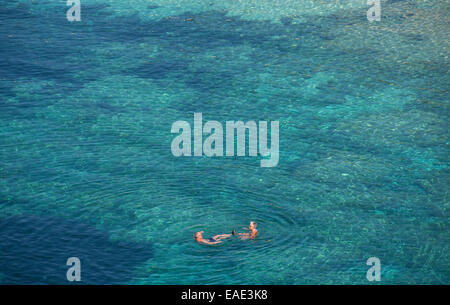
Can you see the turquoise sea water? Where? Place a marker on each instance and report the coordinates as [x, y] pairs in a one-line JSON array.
[[86, 168]]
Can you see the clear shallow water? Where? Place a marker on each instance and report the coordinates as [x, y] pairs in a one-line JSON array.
[[86, 168]]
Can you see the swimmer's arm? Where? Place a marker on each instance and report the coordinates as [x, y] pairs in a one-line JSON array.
[[221, 236], [214, 242], [207, 242]]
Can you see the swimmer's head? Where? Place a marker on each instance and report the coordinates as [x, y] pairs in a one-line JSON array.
[[252, 225], [198, 235]]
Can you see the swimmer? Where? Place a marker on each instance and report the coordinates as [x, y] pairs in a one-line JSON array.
[[251, 235], [217, 239]]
